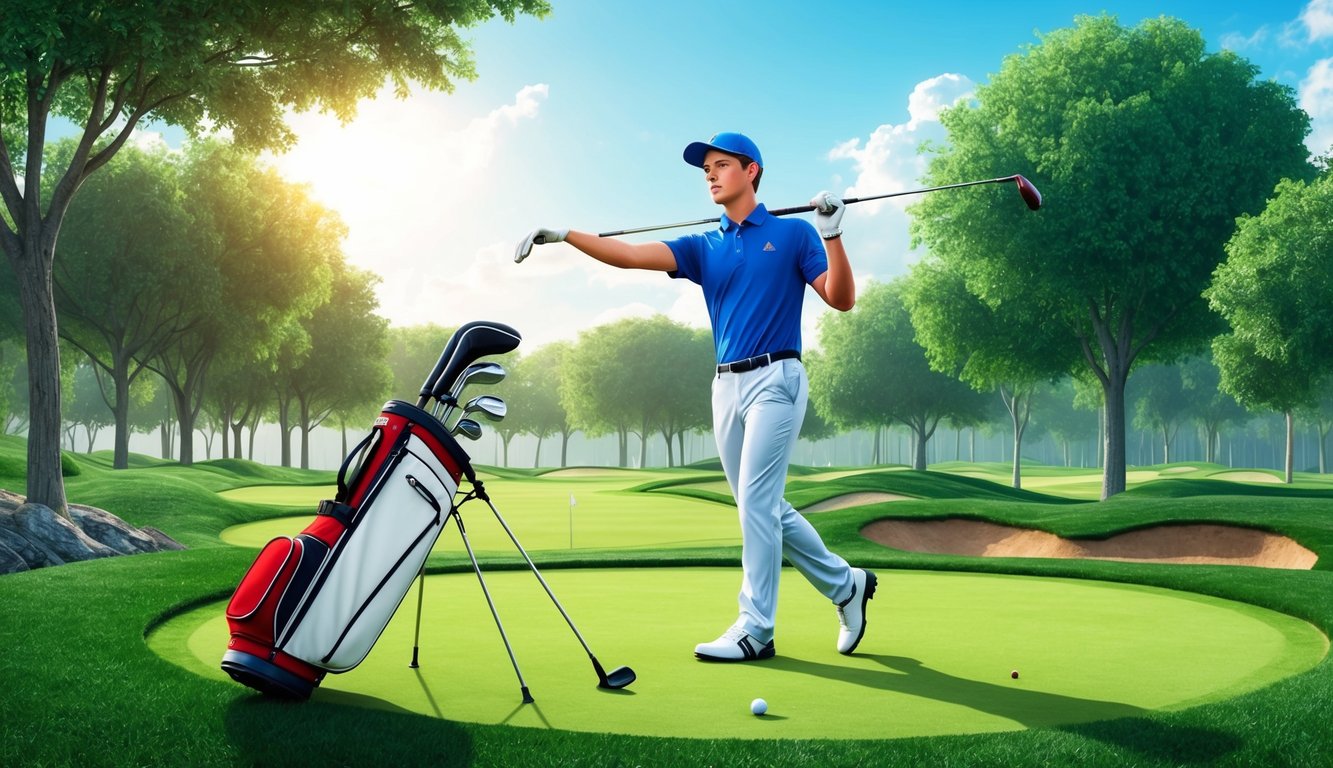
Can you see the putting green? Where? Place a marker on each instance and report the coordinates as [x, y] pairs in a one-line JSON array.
[[936, 658], [603, 515]]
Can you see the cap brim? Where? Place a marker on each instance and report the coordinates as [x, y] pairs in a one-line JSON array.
[[696, 152]]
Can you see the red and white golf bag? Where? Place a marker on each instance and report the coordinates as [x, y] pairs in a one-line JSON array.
[[317, 602]]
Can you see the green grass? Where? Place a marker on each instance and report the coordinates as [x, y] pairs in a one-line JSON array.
[[82, 687]]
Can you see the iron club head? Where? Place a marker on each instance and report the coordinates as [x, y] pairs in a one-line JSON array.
[[467, 428]]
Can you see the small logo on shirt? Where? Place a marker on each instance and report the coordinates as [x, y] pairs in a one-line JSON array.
[[769, 247]]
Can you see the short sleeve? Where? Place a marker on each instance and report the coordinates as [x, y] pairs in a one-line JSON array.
[[814, 259], [688, 251]]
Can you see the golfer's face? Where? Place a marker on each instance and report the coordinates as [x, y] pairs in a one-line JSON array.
[[725, 176]]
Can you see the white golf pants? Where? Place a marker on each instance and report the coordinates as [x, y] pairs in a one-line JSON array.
[[757, 419]]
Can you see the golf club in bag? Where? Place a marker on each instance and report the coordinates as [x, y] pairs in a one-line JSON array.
[[317, 602]]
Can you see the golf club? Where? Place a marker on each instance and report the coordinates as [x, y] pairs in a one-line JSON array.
[[469, 343], [467, 428], [490, 406], [477, 373], [614, 680], [1030, 195]]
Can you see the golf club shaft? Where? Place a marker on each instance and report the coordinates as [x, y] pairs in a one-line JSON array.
[[523, 686], [601, 674], [808, 208]]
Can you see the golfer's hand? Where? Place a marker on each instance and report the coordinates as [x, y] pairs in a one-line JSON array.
[[538, 237], [828, 214]]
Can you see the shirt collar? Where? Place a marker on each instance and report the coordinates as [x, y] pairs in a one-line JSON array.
[[756, 218]]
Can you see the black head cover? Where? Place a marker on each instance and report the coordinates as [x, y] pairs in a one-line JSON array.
[[469, 343]]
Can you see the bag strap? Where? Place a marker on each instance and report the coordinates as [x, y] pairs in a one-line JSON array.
[[347, 462]]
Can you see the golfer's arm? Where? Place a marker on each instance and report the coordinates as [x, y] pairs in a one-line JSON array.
[[618, 253], [836, 287]]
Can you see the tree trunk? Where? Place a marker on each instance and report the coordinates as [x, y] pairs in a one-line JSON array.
[[1113, 470], [564, 449], [185, 419], [32, 269], [1291, 429]]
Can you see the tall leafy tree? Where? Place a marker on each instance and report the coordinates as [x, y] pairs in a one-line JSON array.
[[1146, 147], [874, 373], [1161, 402], [238, 64], [1210, 407], [993, 347], [269, 247], [345, 362], [534, 402], [1276, 292], [125, 268]]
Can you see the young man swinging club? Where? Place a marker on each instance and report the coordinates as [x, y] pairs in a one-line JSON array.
[[753, 270]]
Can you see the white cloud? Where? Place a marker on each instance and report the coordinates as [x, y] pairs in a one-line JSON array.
[[1316, 98], [889, 159], [1318, 19], [1235, 41]]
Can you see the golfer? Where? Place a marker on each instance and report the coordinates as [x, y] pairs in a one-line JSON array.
[[753, 270]]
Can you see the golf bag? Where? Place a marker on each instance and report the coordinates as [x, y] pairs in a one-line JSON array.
[[316, 602]]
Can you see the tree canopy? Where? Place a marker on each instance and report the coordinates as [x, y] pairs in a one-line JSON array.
[[236, 65], [1146, 148]]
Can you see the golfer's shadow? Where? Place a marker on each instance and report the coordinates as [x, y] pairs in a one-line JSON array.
[[1110, 721], [910, 676]]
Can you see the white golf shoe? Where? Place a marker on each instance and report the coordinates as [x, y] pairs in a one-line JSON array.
[[734, 645], [852, 611]]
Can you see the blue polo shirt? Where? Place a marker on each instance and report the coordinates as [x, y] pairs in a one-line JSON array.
[[753, 274]]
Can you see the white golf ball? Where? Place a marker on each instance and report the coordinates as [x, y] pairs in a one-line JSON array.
[[759, 706]]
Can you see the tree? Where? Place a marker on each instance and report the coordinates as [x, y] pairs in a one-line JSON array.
[[535, 403], [123, 277], [269, 248], [873, 372], [237, 65], [1276, 292], [345, 363], [1146, 148], [413, 352], [1057, 410], [993, 347], [1321, 416], [1210, 407], [87, 405], [1161, 403]]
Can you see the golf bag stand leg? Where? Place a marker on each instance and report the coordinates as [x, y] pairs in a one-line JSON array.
[[416, 634], [523, 686], [619, 677]]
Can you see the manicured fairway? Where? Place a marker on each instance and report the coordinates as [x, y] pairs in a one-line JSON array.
[[936, 658], [603, 515]]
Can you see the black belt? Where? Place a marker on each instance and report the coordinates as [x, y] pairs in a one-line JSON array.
[[759, 361]]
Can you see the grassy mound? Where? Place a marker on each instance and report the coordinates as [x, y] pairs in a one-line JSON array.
[[83, 688]]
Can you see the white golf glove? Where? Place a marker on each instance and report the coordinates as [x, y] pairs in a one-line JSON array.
[[828, 214], [538, 237]]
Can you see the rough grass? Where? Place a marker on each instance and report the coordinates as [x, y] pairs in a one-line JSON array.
[[82, 688]]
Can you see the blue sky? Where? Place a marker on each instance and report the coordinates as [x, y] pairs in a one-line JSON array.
[[578, 120]]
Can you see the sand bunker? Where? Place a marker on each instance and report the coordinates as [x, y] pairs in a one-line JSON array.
[[1195, 544], [1247, 477], [852, 500]]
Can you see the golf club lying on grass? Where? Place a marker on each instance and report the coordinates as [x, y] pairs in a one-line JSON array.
[[1029, 193]]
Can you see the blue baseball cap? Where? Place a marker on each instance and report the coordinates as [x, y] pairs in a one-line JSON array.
[[731, 143]]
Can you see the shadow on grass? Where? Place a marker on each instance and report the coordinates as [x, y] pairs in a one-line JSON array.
[[1034, 709], [1159, 741], [1121, 725], [266, 731]]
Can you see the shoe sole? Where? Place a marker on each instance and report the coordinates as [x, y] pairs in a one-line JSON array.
[[871, 582], [764, 654]]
